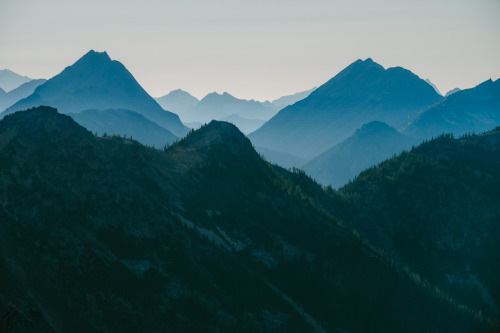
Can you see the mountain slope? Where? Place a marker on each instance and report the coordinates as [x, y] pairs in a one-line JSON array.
[[362, 92], [244, 125], [125, 123], [433, 86], [467, 111], [452, 91], [292, 99], [19, 93], [97, 82], [437, 209], [10, 80], [215, 106], [371, 144], [177, 101], [105, 234]]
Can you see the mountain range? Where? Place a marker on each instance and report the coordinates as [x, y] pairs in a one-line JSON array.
[[177, 101], [292, 99], [24, 90], [124, 123], [217, 106], [97, 82], [102, 233], [362, 92], [467, 111], [247, 115], [10, 80], [371, 144]]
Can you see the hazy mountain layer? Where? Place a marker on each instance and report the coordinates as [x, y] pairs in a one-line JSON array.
[[371, 144], [97, 82], [215, 106], [10, 80], [452, 91], [244, 125], [467, 111], [177, 101], [361, 93], [292, 99], [433, 86], [19, 93], [125, 123]]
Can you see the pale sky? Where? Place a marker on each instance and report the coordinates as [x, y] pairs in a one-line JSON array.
[[259, 49]]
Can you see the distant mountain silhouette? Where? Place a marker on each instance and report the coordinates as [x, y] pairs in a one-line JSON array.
[[433, 86], [452, 91], [467, 111], [19, 93], [371, 144], [10, 80], [215, 106], [97, 82], [244, 125], [362, 92], [104, 234], [125, 123], [177, 101], [280, 158], [292, 99]]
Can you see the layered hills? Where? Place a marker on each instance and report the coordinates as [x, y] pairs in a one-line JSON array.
[[10, 80], [371, 144], [124, 123], [24, 90], [217, 106], [106, 234], [472, 110], [97, 82], [177, 101], [436, 208], [362, 92]]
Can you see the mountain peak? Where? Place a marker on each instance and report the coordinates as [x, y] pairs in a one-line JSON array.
[[93, 59], [365, 64], [96, 82], [362, 92], [96, 55], [216, 141], [220, 131], [10, 80], [39, 124], [376, 126]]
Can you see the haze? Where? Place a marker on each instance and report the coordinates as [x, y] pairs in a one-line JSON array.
[[254, 49]]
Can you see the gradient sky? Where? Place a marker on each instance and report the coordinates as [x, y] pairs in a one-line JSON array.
[[254, 49]]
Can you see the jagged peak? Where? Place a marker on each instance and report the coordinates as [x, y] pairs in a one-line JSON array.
[[95, 54], [367, 63], [217, 96], [92, 59]]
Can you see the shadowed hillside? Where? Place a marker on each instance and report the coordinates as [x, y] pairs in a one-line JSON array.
[[106, 234]]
